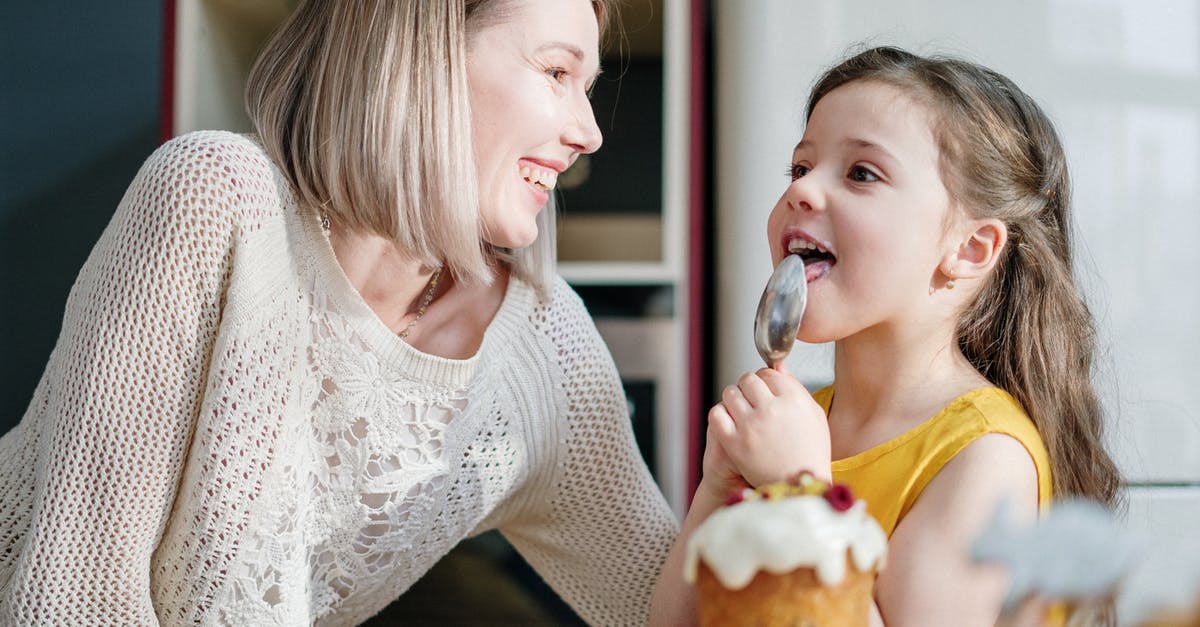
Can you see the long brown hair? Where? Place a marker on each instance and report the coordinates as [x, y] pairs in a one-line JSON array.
[[1028, 330]]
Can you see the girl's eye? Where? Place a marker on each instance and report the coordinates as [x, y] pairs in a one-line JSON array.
[[797, 170], [860, 174]]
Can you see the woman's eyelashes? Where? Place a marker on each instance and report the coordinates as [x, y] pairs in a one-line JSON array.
[[562, 78]]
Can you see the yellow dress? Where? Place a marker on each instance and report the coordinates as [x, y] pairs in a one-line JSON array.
[[891, 476]]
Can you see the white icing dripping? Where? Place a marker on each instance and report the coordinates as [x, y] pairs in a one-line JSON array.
[[779, 536]]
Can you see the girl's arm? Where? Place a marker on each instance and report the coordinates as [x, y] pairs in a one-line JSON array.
[[674, 601], [929, 578], [766, 428]]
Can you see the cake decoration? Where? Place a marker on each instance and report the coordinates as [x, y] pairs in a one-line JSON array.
[[796, 552], [778, 527]]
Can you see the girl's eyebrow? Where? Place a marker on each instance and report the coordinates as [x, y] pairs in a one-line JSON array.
[[853, 142], [868, 145]]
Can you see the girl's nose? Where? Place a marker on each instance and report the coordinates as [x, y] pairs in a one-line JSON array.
[[805, 193]]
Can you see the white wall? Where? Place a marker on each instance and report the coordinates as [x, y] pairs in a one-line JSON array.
[[1121, 80]]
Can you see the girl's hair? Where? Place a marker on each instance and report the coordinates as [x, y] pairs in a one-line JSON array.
[[1028, 330], [365, 107]]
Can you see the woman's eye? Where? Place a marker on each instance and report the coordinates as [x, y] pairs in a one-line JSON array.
[[860, 174], [557, 73], [797, 170]]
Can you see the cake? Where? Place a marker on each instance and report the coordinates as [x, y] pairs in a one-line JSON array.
[[798, 553]]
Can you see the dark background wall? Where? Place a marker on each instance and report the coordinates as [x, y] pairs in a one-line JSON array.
[[79, 108]]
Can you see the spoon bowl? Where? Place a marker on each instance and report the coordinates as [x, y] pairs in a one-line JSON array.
[[780, 310]]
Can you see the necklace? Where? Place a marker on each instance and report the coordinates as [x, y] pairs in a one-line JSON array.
[[425, 300]]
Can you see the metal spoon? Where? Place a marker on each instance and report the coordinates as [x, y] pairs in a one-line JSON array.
[[780, 310]]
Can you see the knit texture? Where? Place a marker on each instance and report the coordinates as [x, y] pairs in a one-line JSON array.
[[226, 434]]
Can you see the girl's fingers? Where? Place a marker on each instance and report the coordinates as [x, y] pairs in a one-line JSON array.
[[754, 389], [735, 401], [720, 422], [779, 381]]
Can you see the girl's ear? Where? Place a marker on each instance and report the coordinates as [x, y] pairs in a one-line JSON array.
[[978, 252]]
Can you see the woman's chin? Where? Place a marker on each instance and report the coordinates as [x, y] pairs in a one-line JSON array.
[[514, 241]]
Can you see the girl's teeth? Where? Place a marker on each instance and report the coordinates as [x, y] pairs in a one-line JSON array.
[[802, 245]]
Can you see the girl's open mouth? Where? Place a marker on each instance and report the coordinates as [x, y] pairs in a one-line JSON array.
[[817, 258]]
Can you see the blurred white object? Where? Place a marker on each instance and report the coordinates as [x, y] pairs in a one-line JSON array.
[[1077, 552]]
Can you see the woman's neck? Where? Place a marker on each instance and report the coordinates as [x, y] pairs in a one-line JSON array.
[[394, 283], [391, 281]]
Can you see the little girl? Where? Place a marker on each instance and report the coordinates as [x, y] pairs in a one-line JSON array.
[[929, 200]]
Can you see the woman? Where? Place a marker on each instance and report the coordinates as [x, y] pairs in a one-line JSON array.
[[296, 370]]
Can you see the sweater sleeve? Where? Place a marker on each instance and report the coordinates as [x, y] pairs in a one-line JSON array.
[[603, 534], [88, 477]]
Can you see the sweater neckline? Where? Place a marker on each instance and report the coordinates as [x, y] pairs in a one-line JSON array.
[[518, 303]]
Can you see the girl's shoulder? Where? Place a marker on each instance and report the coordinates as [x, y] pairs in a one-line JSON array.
[[986, 420]]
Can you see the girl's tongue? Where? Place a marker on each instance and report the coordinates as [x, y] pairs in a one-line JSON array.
[[817, 268]]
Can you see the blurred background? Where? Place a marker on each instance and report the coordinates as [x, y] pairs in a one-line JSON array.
[[662, 232]]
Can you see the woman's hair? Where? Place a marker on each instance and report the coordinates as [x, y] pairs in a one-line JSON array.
[[365, 107], [1028, 330]]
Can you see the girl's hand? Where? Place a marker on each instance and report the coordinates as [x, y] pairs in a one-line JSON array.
[[721, 477], [769, 428]]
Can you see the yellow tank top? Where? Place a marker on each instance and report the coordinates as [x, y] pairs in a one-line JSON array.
[[890, 476]]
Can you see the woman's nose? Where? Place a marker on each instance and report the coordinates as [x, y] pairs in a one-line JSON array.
[[582, 133]]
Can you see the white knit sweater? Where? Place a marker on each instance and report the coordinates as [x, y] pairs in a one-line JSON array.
[[226, 434]]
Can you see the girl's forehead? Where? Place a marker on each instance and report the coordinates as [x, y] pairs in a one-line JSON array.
[[873, 101], [873, 112]]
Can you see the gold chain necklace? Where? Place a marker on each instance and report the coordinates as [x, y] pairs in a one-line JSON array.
[[425, 300]]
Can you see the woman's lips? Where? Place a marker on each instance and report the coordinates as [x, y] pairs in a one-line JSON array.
[[540, 195]]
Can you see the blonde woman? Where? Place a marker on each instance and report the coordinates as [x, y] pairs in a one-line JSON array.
[[298, 368]]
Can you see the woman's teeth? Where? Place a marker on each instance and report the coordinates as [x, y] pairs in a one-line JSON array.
[[545, 179]]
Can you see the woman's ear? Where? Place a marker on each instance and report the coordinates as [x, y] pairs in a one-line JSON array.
[[978, 251]]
